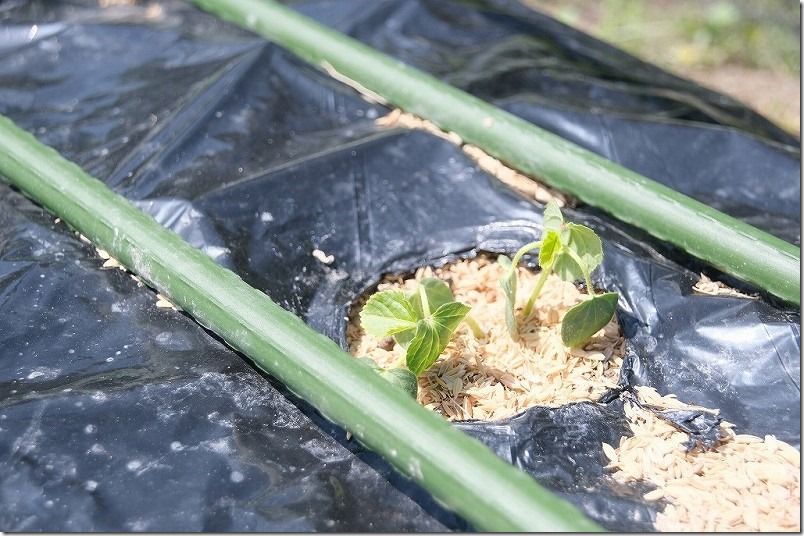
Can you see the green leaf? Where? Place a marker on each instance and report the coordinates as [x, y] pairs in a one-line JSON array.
[[586, 244], [437, 291], [450, 315], [432, 336], [553, 219], [508, 283], [551, 246], [587, 318], [402, 378], [387, 313]]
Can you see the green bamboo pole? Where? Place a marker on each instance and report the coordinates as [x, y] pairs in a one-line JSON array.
[[459, 471], [728, 244]]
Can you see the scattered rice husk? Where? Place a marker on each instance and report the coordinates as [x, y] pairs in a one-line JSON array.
[[527, 186], [498, 377], [746, 483], [718, 288]]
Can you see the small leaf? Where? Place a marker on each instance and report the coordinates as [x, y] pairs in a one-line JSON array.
[[553, 220], [388, 312], [508, 283], [432, 336], [437, 291], [586, 244], [551, 246], [424, 348], [587, 318], [402, 378]]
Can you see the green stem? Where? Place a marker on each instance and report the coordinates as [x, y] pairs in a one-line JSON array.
[[425, 303], [524, 249], [459, 471], [582, 265], [477, 331], [539, 284], [726, 242]]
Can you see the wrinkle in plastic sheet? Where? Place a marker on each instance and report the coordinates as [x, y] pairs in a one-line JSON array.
[[258, 159]]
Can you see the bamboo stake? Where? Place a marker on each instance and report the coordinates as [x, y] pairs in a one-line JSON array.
[[458, 470], [727, 243]]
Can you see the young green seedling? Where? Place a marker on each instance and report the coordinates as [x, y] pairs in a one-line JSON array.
[[571, 251], [422, 322]]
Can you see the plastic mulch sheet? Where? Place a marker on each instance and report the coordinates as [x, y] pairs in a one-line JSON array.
[[118, 415]]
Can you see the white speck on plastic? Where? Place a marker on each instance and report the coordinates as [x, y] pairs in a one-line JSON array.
[[323, 257], [90, 485], [90, 429], [236, 477], [176, 446], [97, 448], [133, 465], [266, 217]]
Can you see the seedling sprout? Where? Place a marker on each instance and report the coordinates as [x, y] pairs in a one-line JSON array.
[[571, 251]]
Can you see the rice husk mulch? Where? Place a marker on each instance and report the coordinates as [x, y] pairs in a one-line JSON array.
[[498, 377], [746, 483]]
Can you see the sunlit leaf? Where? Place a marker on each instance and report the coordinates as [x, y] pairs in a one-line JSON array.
[[432, 336], [551, 246], [387, 313], [588, 247]]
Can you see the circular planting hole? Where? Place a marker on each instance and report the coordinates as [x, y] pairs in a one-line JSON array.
[[497, 377]]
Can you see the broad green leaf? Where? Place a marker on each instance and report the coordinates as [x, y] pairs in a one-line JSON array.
[[402, 378], [388, 312], [586, 244], [450, 315], [508, 283], [551, 246], [438, 293], [432, 336], [553, 220], [587, 318]]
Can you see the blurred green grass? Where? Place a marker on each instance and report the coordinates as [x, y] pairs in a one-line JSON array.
[[750, 49]]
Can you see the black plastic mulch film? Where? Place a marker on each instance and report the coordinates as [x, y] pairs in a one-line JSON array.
[[118, 415]]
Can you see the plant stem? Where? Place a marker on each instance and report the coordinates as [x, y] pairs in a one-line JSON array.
[[539, 284], [589, 288], [524, 249], [477, 331], [425, 303]]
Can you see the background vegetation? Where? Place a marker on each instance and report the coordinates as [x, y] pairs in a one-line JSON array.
[[748, 49]]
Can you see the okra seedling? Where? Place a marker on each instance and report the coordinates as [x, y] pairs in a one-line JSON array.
[[422, 322], [571, 251]]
